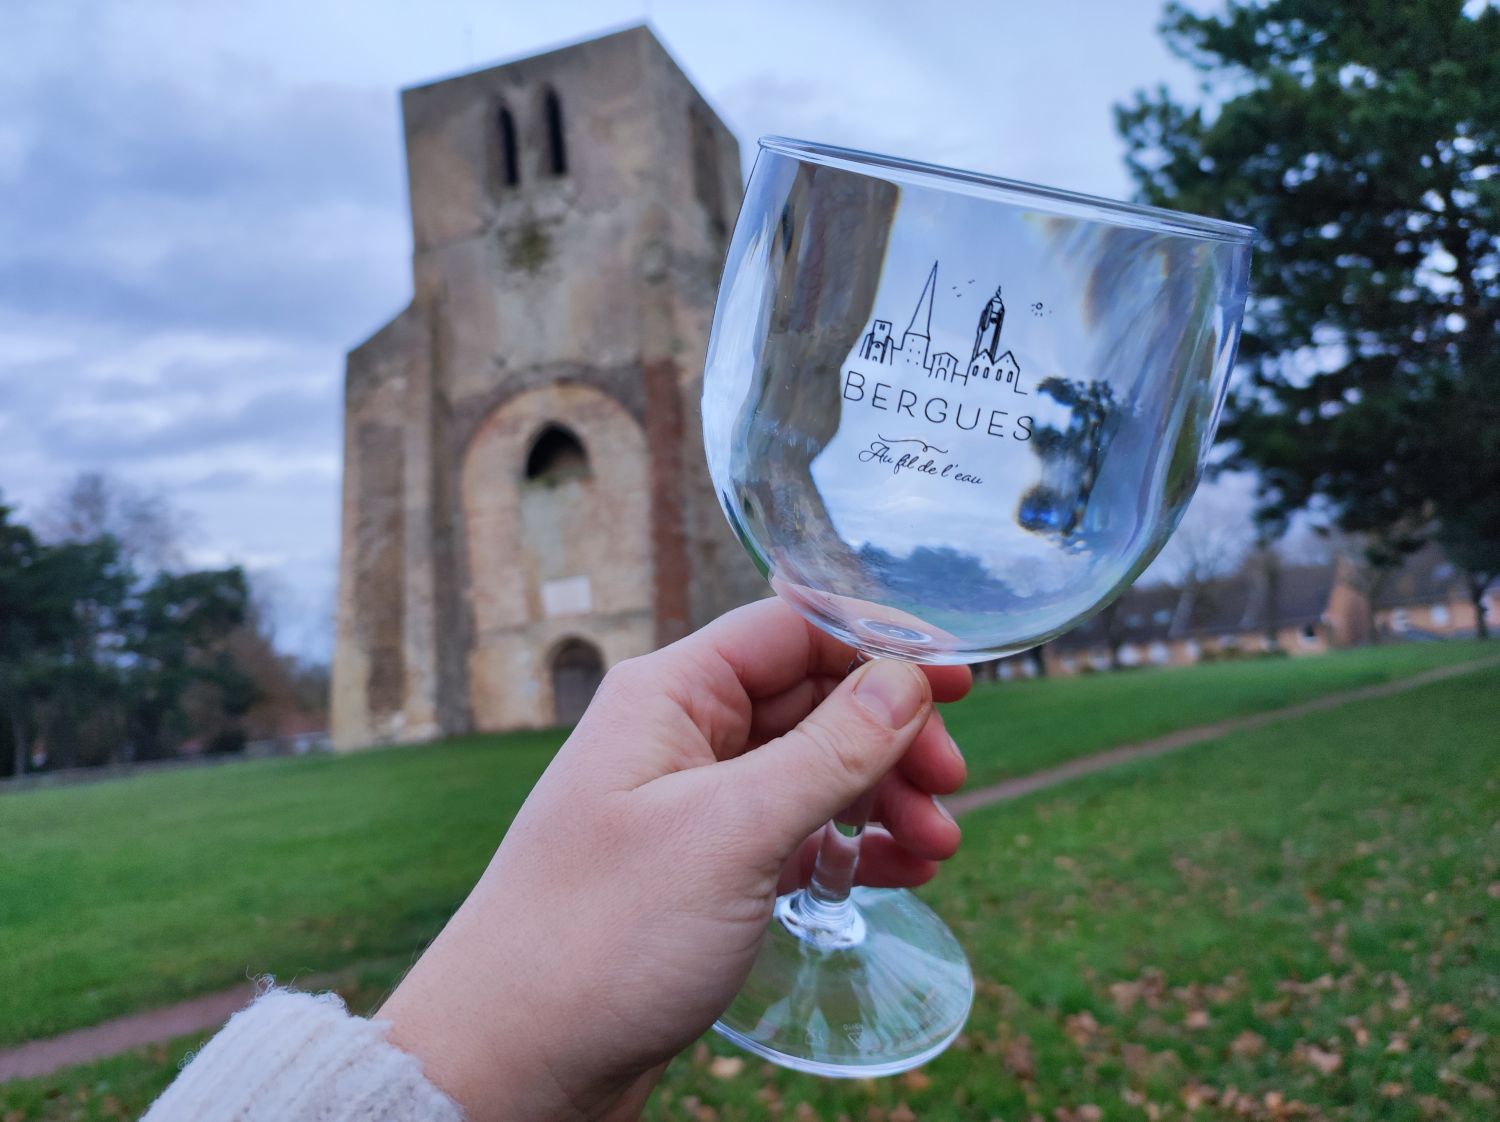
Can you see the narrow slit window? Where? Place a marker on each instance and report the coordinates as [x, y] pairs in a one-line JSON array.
[[508, 164], [557, 152]]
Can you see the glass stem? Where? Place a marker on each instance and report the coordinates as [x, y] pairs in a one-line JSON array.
[[838, 857], [826, 899]]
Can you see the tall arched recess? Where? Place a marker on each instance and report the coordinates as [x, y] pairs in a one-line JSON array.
[[556, 496], [577, 668]]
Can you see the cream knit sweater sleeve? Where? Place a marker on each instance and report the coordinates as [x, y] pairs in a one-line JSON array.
[[296, 1057]]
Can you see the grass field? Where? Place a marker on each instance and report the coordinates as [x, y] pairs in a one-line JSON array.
[[1024, 726], [1180, 904]]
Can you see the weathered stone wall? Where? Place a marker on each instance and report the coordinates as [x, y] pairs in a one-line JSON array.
[[581, 297], [369, 679]]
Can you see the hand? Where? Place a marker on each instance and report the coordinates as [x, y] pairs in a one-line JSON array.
[[624, 908]]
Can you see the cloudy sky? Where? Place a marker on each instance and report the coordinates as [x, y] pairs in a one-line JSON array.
[[202, 204]]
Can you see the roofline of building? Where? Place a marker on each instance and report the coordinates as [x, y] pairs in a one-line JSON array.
[[618, 31]]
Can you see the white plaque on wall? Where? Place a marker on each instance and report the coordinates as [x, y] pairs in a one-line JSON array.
[[567, 596]]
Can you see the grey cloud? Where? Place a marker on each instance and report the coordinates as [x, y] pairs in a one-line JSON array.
[[282, 420], [277, 284], [138, 202]]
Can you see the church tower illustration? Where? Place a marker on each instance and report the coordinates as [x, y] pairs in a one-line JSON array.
[[918, 338], [987, 363]]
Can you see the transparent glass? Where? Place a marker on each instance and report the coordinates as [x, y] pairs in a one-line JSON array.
[[950, 417]]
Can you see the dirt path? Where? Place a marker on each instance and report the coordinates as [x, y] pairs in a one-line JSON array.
[[1186, 738], [154, 1026]]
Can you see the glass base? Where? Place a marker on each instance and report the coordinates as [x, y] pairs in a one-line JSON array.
[[875, 986]]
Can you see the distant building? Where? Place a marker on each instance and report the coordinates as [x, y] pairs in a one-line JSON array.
[[525, 502], [1302, 609]]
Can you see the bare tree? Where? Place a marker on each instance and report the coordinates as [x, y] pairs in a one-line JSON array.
[[150, 531], [1210, 542]]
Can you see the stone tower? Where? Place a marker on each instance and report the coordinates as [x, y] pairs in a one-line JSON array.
[[525, 499]]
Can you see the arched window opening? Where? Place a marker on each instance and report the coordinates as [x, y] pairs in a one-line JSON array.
[[557, 153], [708, 183], [577, 670], [507, 156], [556, 456]]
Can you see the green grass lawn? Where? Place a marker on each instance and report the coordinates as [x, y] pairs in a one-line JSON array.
[[1297, 922], [1019, 727], [133, 893]]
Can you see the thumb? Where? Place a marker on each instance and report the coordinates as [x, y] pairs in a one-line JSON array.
[[797, 782]]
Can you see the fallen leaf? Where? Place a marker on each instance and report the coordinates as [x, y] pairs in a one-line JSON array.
[[726, 1067], [1196, 1019], [1019, 1060], [902, 1113], [1088, 1112], [1392, 1090], [701, 1054], [916, 1080], [1082, 1027], [1397, 1045], [1322, 1059], [1248, 1044], [804, 1112], [1124, 995], [1195, 1095]]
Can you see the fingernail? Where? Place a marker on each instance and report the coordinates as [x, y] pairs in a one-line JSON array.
[[944, 811], [958, 753], [890, 691]]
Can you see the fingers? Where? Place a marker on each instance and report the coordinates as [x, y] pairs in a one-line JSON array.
[[776, 716], [772, 649], [915, 819], [769, 646], [883, 863], [934, 763], [949, 683], [795, 783]]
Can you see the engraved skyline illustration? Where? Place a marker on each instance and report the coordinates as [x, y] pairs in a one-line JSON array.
[[987, 363]]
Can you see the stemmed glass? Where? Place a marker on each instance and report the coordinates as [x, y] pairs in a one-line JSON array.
[[950, 417]]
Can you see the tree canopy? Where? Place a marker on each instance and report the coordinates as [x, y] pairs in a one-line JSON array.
[[1362, 139], [110, 655]]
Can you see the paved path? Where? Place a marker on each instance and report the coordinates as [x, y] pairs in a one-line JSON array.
[[1186, 738], [42, 1057], [154, 1026]]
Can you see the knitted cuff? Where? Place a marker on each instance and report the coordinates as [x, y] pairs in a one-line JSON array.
[[296, 1057]]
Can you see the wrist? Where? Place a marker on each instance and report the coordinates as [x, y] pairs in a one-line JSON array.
[[458, 1013]]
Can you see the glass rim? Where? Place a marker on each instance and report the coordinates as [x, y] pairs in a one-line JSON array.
[[1037, 197]]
